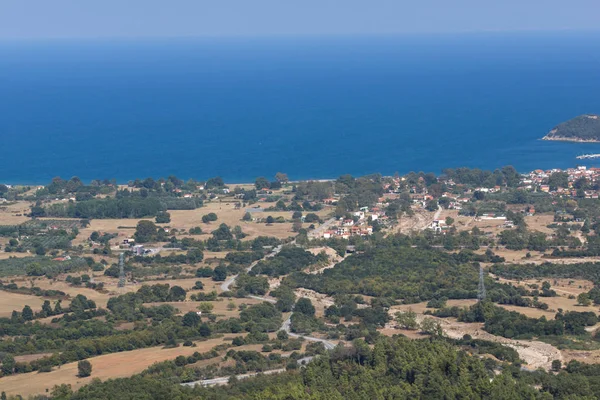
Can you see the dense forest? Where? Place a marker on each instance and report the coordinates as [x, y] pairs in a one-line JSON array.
[[395, 368], [584, 127]]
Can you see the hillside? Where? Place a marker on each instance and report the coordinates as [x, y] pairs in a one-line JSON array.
[[584, 128]]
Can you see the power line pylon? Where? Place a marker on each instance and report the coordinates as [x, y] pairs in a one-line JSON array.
[[122, 279]]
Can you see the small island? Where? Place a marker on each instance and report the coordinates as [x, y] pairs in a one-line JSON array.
[[584, 128]]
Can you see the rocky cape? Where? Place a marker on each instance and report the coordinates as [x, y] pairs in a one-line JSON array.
[[584, 128]]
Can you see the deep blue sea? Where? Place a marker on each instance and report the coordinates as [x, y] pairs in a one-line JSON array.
[[310, 107]]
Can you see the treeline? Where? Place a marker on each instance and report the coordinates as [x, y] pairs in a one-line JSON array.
[[126, 207], [511, 324], [587, 270]]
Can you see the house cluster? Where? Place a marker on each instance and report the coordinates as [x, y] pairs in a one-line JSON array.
[[358, 225], [538, 180]]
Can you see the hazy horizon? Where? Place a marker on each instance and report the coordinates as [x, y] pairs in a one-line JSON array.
[[72, 19]]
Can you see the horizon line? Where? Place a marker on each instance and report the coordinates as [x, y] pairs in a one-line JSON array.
[[294, 35]]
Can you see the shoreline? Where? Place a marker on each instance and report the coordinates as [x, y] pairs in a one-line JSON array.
[[567, 139], [292, 182]]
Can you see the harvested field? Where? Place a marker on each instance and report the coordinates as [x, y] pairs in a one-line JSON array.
[[14, 301], [220, 307], [14, 214], [117, 365], [420, 308], [31, 357], [563, 287], [100, 298], [589, 357]]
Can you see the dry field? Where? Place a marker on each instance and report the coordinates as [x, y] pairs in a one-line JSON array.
[[420, 308], [585, 356], [113, 226], [539, 222], [9, 213], [186, 219], [4, 256], [228, 214], [107, 366], [220, 307], [564, 287], [14, 301]]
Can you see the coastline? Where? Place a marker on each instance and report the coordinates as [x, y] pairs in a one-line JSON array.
[[568, 139]]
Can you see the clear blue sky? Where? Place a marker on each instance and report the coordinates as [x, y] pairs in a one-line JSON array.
[[21, 19]]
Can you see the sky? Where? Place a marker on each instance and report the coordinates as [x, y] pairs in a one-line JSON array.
[[44, 19]]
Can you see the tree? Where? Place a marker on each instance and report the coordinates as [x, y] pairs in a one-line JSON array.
[[449, 221], [47, 308], [432, 327], [558, 179], [262, 183], [215, 182], [231, 306], [27, 313], [191, 319], [8, 364], [281, 178], [305, 307], [556, 365], [220, 273], [247, 217], [584, 299], [296, 226], [210, 217], [40, 250], [145, 231], [432, 205], [311, 217], [407, 319], [163, 217], [199, 285], [176, 293], [270, 220], [84, 367], [222, 233], [206, 307], [282, 335], [204, 330]]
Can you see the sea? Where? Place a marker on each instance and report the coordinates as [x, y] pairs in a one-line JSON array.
[[311, 107]]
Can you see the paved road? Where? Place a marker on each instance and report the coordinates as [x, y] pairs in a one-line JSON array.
[[225, 286], [436, 216], [286, 327], [324, 226], [225, 379]]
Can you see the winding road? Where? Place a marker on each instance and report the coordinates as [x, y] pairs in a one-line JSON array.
[[286, 326]]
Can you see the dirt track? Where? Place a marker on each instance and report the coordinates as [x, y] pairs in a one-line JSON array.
[[535, 353]]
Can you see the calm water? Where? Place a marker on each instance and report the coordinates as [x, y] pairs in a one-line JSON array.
[[314, 108]]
